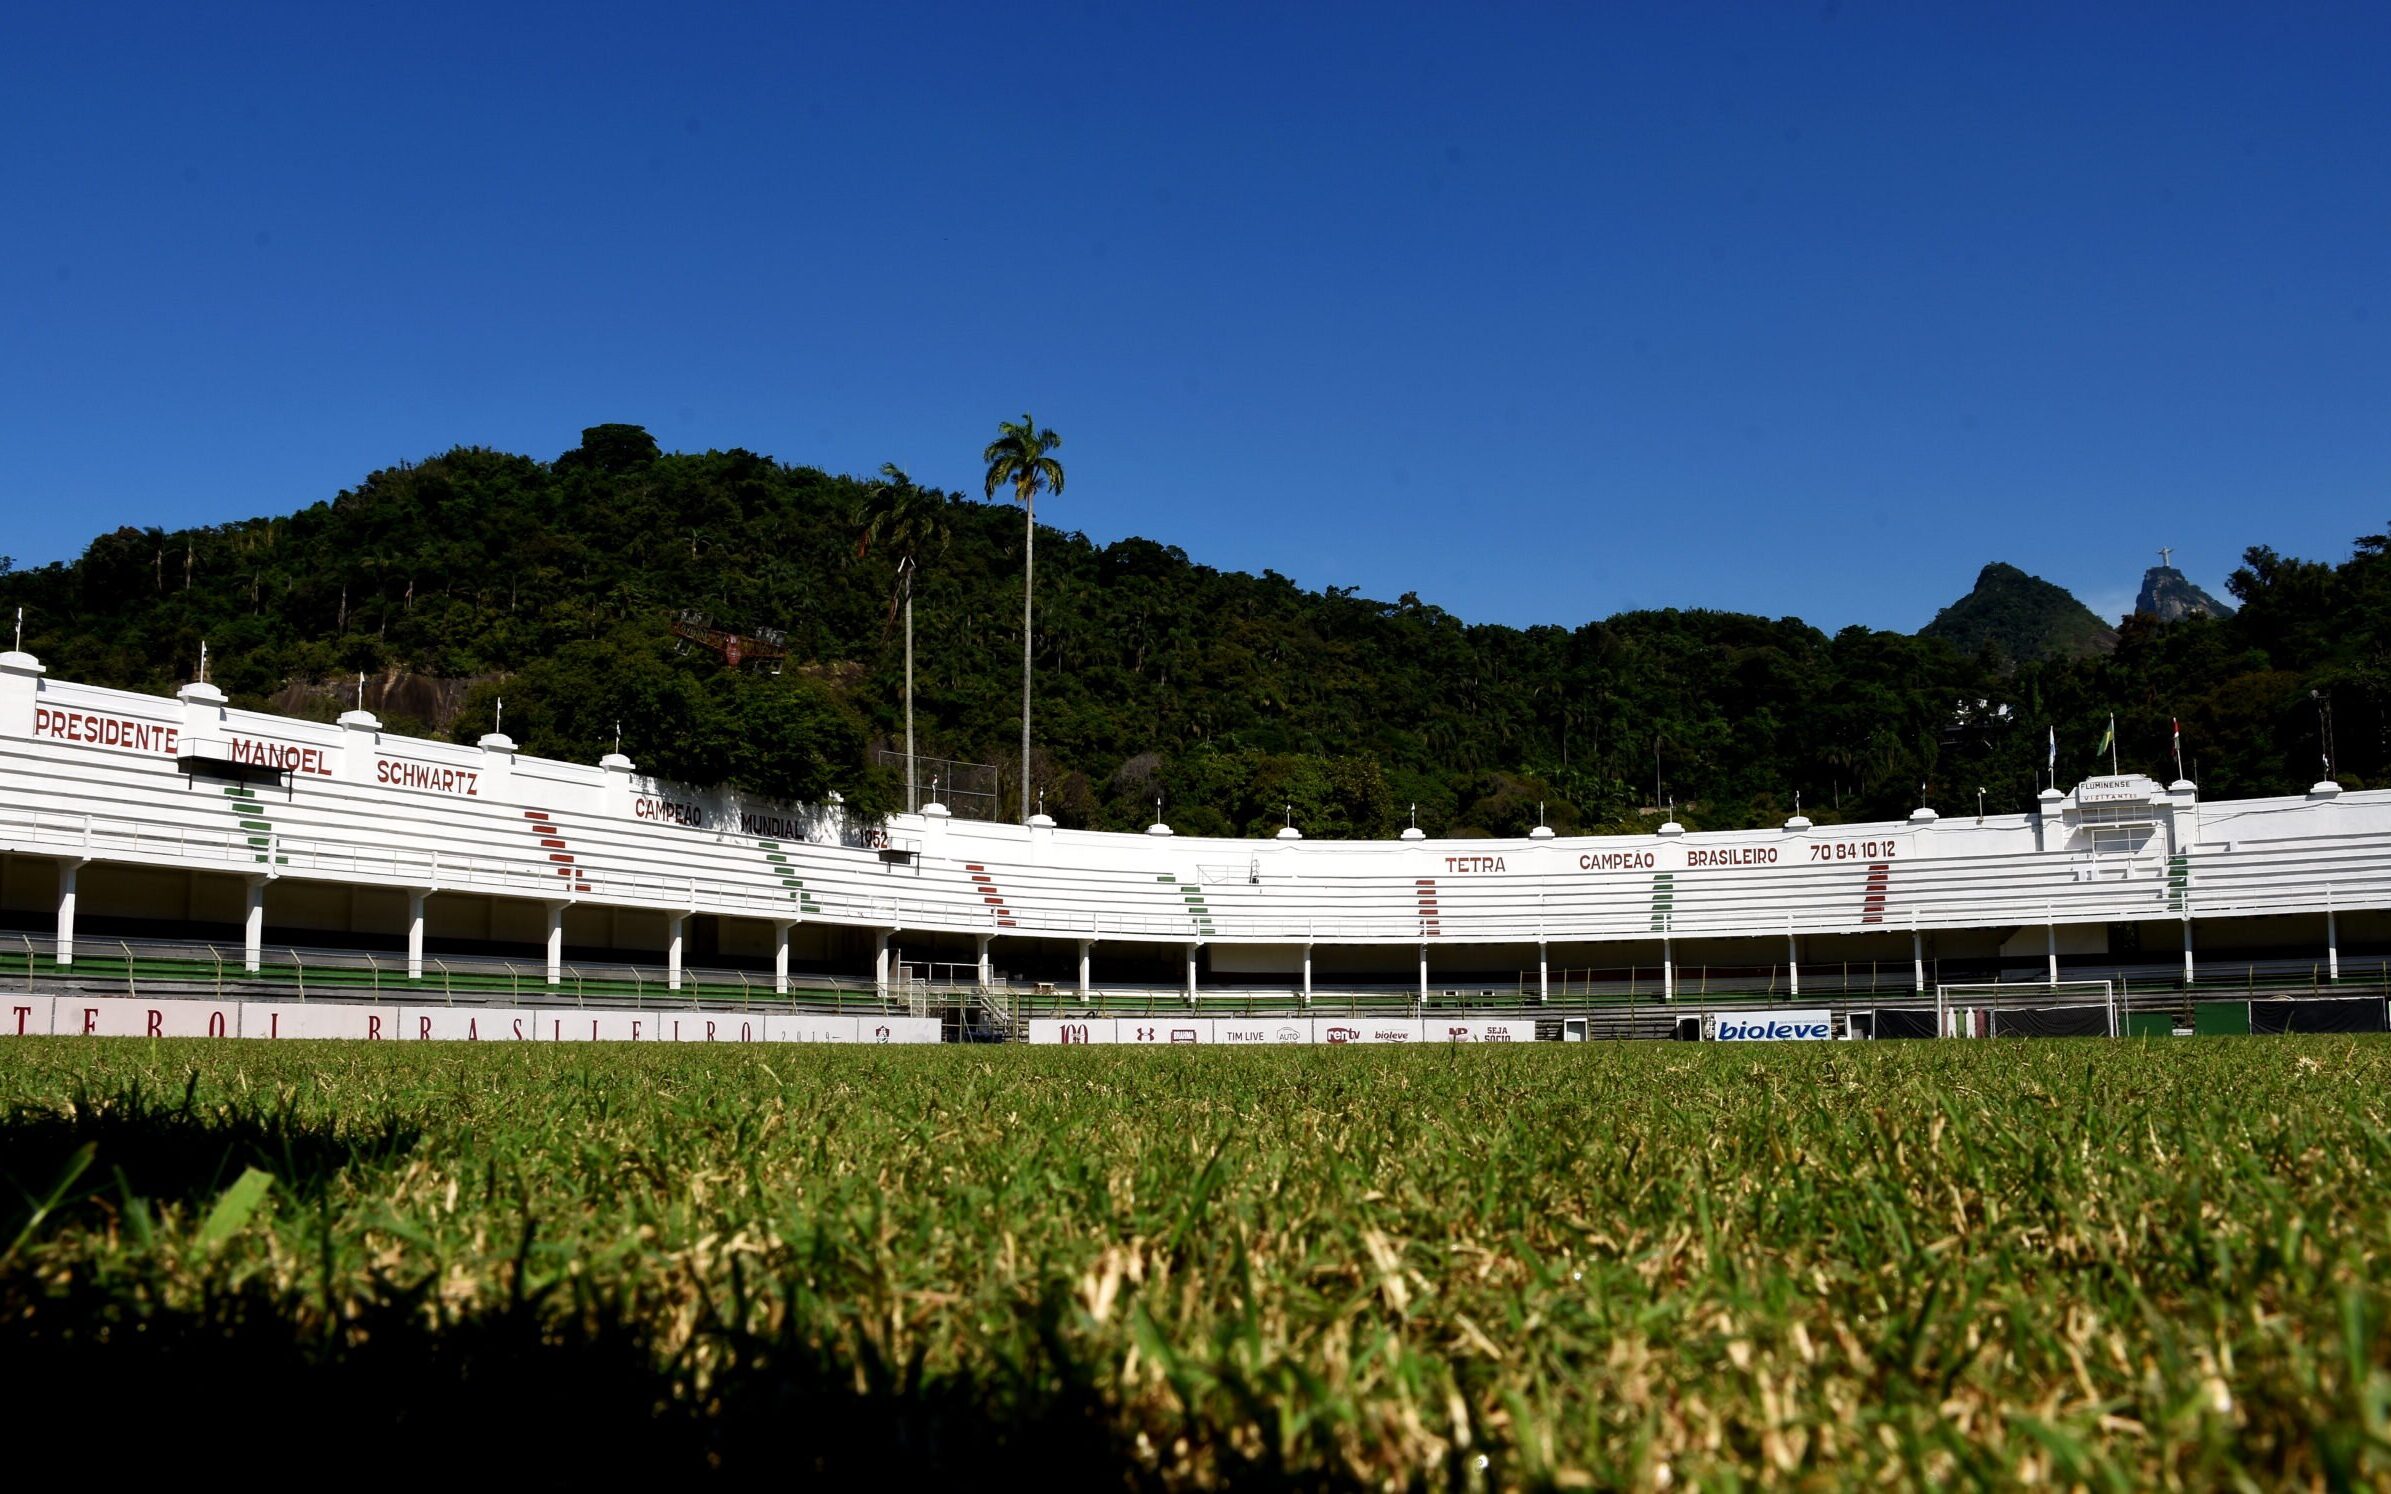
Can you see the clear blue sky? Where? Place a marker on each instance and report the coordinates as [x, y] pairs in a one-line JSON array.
[[1541, 312]]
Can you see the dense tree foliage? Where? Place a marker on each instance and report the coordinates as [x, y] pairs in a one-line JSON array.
[[1229, 697]]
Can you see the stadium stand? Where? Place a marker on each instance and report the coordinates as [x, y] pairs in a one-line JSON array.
[[178, 845]]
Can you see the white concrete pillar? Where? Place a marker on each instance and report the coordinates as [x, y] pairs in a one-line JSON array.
[[1917, 961], [2050, 823], [2187, 952], [987, 965], [1423, 975], [415, 897], [253, 924], [1191, 975], [1543, 972], [1668, 972], [1086, 950], [2332, 945], [2050, 951], [674, 923], [880, 970], [1307, 975], [780, 956], [556, 943], [1793, 965], [68, 873]]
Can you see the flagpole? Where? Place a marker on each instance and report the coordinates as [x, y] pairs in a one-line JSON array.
[[2112, 744]]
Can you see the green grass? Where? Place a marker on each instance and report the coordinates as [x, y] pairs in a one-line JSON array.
[[2105, 1264]]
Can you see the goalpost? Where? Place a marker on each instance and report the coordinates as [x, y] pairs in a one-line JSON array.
[[2027, 996]]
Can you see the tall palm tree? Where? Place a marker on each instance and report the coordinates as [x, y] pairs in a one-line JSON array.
[[908, 522], [1021, 455]]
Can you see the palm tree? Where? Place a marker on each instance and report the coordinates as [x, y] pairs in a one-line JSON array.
[[908, 522], [1020, 455]]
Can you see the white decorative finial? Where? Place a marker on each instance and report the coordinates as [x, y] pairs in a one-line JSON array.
[[618, 736], [361, 689], [498, 717], [203, 661], [20, 630]]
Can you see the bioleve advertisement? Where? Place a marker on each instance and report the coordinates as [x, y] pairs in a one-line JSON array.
[[1815, 1025]]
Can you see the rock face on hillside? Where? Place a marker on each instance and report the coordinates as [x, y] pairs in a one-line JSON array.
[[2169, 597], [2023, 616]]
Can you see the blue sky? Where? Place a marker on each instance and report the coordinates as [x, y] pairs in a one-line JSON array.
[[1541, 312]]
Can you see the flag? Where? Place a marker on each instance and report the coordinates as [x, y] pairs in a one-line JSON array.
[[2107, 738]]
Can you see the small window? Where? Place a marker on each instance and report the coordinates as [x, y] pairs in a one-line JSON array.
[[2119, 840]]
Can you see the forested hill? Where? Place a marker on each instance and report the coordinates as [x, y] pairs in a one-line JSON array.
[[478, 574], [2022, 616]]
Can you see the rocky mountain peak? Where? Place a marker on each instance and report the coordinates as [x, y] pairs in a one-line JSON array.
[[2169, 596]]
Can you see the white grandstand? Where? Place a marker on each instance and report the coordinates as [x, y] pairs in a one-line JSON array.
[[225, 853]]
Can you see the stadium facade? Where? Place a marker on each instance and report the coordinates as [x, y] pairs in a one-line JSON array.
[[129, 819]]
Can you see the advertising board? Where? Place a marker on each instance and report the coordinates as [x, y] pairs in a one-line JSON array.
[[468, 1024], [1349, 1031], [122, 1016], [1479, 1030], [276, 1020], [1809, 1025], [597, 1027], [741, 1027], [1047, 1032], [899, 1030], [1163, 1031], [1250, 1032]]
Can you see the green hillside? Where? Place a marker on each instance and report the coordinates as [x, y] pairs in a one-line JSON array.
[[478, 574], [2022, 617]]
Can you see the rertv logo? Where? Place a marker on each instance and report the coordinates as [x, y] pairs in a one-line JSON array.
[[1775, 1027]]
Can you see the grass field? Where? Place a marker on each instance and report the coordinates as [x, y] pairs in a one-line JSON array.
[[2109, 1264]]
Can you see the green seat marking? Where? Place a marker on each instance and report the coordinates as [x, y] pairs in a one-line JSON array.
[[796, 885], [2179, 880], [1198, 911], [252, 812], [1664, 900]]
